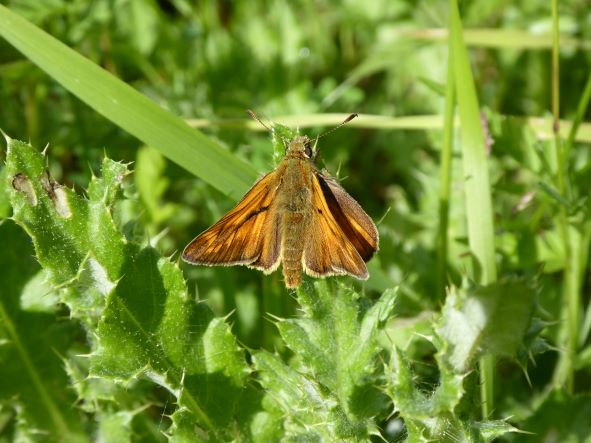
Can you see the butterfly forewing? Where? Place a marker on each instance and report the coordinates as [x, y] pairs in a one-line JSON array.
[[247, 235], [327, 250]]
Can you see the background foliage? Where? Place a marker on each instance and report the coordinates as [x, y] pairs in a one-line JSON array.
[[104, 335]]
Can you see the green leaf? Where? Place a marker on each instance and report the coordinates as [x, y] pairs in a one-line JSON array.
[[426, 417], [483, 320], [118, 410], [38, 295], [75, 238], [31, 344], [115, 427], [148, 325], [281, 134], [308, 412], [561, 417], [436, 415], [493, 429], [127, 108], [259, 420], [4, 199], [532, 344], [143, 19], [331, 387], [185, 429]]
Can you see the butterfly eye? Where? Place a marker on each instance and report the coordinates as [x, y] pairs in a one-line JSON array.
[[308, 150]]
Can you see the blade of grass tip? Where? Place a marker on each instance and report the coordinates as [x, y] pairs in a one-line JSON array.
[[127, 108], [477, 188], [445, 174], [564, 373]]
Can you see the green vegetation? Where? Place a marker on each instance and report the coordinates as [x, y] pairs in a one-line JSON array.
[[471, 153]]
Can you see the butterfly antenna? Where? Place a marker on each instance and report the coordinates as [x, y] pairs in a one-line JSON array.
[[347, 120], [256, 117]]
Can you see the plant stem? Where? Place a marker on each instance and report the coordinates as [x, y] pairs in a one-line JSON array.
[[564, 374]]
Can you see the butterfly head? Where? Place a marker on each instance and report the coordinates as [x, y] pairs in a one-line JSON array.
[[301, 146]]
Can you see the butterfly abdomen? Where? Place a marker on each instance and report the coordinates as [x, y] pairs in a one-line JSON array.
[[292, 247]]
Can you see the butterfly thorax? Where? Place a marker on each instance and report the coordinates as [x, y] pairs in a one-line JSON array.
[[295, 207]]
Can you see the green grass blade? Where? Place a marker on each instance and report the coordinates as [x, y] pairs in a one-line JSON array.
[[445, 175], [542, 126], [543, 129], [501, 38], [127, 108], [477, 186]]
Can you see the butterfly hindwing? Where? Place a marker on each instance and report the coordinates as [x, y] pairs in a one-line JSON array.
[[356, 225], [247, 235]]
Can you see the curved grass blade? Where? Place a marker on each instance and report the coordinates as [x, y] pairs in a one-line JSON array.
[[127, 108]]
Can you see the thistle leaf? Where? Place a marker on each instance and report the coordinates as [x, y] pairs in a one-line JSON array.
[[133, 301], [330, 389], [31, 343], [485, 319]]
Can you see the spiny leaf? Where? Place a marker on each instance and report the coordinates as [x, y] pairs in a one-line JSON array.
[[336, 369], [474, 320], [281, 134], [149, 326], [424, 417], [309, 412], [31, 343], [75, 238], [485, 319], [434, 416], [493, 429], [262, 420]]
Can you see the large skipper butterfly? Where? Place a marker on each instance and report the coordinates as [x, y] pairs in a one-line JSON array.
[[296, 215]]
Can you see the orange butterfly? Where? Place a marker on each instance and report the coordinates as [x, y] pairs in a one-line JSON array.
[[295, 215]]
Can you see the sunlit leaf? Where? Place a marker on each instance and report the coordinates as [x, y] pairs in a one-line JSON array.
[[331, 386], [149, 326], [485, 320]]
